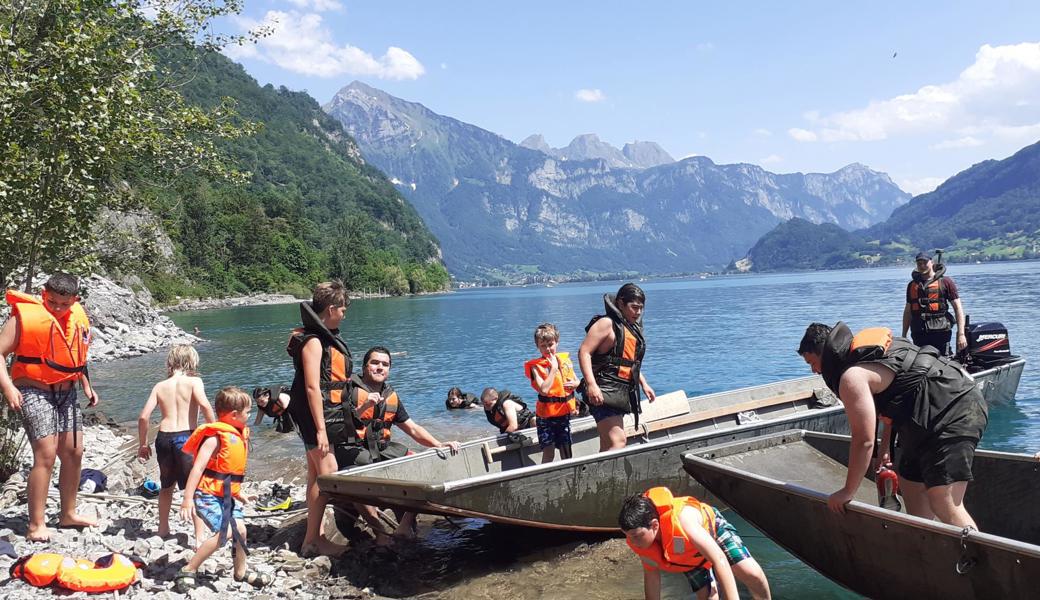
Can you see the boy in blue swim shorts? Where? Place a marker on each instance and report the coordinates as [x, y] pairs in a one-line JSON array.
[[214, 491], [179, 397]]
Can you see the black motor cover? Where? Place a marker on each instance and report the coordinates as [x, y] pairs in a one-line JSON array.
[[988, 344]]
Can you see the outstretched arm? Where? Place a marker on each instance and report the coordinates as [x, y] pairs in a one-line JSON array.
[[854, 392], [509, 409], [690, 520]]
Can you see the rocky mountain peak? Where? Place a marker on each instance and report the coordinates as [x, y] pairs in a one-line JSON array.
[[536, 141], [646, 154], [588, 146]]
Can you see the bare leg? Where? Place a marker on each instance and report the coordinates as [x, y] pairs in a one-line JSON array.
[[947, 502], [70, 452], [750, 573], [165, 501], [44, 452], [548, 454], [240, 553], [313, 540], [611, 433], [204, 551], [916, 497]]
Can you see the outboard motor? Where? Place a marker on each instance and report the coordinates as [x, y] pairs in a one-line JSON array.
[[988, 346]]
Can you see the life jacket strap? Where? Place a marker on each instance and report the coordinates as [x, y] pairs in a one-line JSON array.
[[225, 477], [36, 360], [551, 399]]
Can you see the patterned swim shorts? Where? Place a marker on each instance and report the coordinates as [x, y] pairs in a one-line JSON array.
[[211, 509], [732, 546], [46, 412]]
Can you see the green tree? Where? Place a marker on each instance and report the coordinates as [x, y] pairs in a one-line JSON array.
[[81, 97]]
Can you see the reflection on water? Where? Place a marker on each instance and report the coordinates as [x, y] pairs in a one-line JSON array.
[[703, 336]]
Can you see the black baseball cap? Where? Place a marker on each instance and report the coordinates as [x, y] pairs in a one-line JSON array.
[[922, 255]]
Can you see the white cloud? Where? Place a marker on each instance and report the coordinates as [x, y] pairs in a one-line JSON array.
[[991, 95], [964, 142], [590, 95], [705, 47], [301, 43], [919, 186], [318, 5], [763, 132], [772, 159], [801, 135]]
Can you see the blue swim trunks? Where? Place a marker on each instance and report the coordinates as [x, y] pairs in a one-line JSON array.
[[211, 508], [554, 431], [604, 412]]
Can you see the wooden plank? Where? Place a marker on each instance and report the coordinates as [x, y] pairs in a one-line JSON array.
[[721, 411]]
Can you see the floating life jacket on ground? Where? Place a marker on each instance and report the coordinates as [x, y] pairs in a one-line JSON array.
[[930, 396], [617, 371], [497, 415], [674, 551], [371, 427], [225, 470], [108, 573], [336, 366], [929, 308], [49, 350], [559, 402]]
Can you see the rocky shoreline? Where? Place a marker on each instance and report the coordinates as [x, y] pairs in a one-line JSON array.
[[127, 524], [250, 300]]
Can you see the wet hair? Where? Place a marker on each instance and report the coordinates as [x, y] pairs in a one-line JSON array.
[[230, 399], [487, 394], [375, 350], [636, 511], [329, 293], [630, 292], [182, 357], [453, 392], [546, 332], [62, 284], [814, 339]]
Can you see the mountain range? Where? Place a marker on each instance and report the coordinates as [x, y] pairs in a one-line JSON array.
[[990, 211], [504, 211]]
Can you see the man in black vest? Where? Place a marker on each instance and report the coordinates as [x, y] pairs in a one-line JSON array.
[[929, 297], [931, 402]]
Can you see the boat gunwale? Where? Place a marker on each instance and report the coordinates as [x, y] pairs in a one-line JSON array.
[[699, 459]]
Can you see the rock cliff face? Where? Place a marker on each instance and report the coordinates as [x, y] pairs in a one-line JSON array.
[[500, 209]]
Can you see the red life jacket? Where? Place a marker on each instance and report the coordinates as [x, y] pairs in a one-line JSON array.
[[928, 299]]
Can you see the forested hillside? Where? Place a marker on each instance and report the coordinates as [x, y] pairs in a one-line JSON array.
[[990, 211], [311, 209]]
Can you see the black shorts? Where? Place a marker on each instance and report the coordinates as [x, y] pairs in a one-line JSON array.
[[174, 463], [939, 462], [355, 456]]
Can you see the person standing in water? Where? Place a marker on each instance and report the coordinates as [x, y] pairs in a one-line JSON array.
[[610, 358]]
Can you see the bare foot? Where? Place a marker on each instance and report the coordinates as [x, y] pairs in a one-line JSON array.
[[39, 534], [323, 547], [77, 520]]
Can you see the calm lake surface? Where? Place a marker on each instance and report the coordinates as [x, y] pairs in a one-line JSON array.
[[703, 335]]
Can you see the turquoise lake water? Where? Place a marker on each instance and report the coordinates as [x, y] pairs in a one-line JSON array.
[[703, 335]]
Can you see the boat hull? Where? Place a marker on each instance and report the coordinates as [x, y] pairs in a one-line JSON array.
[[780, 484], [497, 479]]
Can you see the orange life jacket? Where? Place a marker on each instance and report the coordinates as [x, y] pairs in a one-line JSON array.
[[559, 402], [227, 465], [49, 350], [928, 299], [110, 572], [673, 551], [373, 424]]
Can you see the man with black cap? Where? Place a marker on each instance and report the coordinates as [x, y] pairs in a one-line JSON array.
[[929, 296]]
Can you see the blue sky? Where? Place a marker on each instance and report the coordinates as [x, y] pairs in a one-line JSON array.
[[794, 86]]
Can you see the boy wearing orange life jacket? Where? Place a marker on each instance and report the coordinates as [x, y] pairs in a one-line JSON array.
[[49, 337], [552, 376], [220, 451], [684, 535]]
